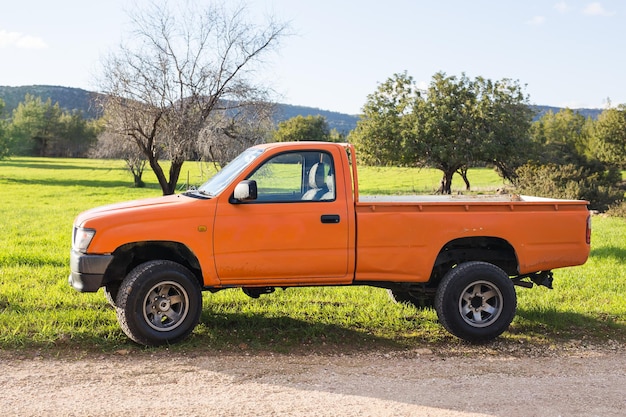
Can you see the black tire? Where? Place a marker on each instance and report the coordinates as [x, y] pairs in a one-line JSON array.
[[418, 300], [110, 292], [159, 302], [476, 301]]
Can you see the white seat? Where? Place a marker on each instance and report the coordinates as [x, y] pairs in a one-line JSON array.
[[317, 183], [330, 185]]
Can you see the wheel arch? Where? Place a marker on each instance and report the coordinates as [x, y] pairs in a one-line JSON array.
[[494, 250], [130, 255]]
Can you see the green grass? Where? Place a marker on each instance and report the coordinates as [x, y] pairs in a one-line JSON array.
[[41, 197], [391, 180]]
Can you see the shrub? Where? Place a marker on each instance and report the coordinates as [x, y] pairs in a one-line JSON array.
[[617, 210], [592, 182]]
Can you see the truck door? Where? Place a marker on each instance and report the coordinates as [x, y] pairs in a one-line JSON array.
[[295, 232]]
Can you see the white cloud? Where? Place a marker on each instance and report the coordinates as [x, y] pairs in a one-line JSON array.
[[536, 21], [561, 7], [20, 40], [596, 9], [30, 42]]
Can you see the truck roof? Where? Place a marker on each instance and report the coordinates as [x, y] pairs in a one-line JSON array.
[[301, 144]]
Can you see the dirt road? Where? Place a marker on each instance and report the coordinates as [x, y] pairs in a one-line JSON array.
[[408, 383]]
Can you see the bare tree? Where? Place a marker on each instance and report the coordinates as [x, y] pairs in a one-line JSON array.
[[228, 133], [183, 66], [110, 145]]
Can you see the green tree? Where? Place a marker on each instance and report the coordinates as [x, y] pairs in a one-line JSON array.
[[301, 128], [455, 124], [380, 132], [561, 138], [4, 140], [78, 134], [609, 136], [564, 165], [41, 128], [446, 130], [506, 118], [35, 126]]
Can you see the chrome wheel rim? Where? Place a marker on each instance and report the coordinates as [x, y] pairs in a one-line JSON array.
[[165, 306], [480, 304]]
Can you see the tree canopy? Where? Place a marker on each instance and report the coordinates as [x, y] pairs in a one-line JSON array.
[[609, 134], [302, 128], [4, 144], [561, 137], [42, 128], [565, 163], [452, 125]]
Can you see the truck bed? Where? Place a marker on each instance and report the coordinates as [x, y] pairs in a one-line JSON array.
[[409, 231]]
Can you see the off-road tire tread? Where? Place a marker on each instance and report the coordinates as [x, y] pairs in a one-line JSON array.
[[465, 332], [130, 282]]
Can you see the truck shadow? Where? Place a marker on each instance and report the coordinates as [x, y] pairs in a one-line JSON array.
[[609, 252], [257, 332], [556, 326], [282, 334]]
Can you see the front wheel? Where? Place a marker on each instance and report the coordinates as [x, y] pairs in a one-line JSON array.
[[159, 302], [476, 301], [110, 293]]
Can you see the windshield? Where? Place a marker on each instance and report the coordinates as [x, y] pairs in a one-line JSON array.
[[224, 176]]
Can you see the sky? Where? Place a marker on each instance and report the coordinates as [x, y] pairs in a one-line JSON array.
[[565, 53]]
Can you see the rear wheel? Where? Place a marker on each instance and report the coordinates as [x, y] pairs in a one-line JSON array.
[[159, 302], [476, 301]]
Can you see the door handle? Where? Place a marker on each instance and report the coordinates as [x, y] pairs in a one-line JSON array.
[[330, 218]]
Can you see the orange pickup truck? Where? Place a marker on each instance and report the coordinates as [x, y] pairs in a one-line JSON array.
[[289, 215]]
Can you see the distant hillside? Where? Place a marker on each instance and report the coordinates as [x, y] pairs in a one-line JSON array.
[[77, 99], [541, 110], [68, 98], [340, 121]]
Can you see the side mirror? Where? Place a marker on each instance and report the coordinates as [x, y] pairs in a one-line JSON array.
[[245, 191]]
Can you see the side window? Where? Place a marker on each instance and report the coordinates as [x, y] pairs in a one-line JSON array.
[[296, 176], [280, 178]]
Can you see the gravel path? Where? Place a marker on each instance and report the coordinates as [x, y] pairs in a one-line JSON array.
[[414, 383]]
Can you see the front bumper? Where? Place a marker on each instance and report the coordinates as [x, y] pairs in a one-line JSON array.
[[87, 271]]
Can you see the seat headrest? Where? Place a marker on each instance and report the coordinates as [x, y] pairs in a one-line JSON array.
[[316, 176]]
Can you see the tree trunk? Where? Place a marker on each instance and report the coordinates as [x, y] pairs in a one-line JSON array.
[[446, 182], [463, 173], [175, 169], [136, 166], [158, 171], [138, 181]]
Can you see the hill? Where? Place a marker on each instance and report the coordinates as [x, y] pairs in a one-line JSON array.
[[81, 100], [68, 98], [78, 99], [541, 110]]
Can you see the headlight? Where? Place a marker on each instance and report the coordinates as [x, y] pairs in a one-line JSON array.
[[82, 238]]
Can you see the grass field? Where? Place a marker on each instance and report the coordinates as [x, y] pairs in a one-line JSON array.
[[41, 197]]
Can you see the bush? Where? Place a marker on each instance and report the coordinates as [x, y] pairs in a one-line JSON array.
[[592, 182], [617, 210]]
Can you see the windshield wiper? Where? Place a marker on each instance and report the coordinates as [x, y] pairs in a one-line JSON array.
[[198, 194]]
